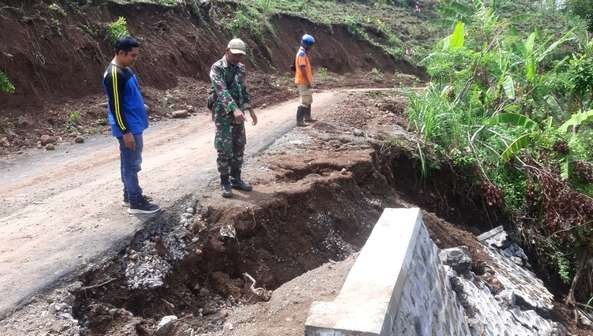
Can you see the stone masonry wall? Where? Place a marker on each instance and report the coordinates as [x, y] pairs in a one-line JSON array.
[[397, 287], [428, 304]]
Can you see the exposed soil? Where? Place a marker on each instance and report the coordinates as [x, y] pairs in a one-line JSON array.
[[318, 191], [56, 57]]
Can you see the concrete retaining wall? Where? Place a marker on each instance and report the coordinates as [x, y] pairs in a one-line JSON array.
[[397, 286]]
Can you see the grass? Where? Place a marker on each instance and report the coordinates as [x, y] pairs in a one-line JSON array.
[[394, 28], [403, 32]]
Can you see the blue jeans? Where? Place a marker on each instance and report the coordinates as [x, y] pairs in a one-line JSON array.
[[131, 161]]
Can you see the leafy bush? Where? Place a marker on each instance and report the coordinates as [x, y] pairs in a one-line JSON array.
[[117, 29], [584, 9], [6, 85], [376, 75], [518, 104], [56, 9], [323, 72]]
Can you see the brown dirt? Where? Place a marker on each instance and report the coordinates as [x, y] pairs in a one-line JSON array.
[[56, 62], [26, 130], [317, 193]]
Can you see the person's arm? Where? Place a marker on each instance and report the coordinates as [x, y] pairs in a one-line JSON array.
[[245, 94], [115, 85], [220, 87]]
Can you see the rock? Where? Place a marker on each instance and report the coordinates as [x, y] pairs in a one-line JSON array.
[[24, 122], [490, 316], [50, 147], [104, 105], [228, 231], [190, 210], [204, 292], [75, 287], [509, 259], [47, 139], [180, 114], [496, 237], [65, 316], [507, 297], [58, 307], [4, 142], [146, 108], [358, 132], [517, 260], [458, 258], [79, 139], [584, 319], [166, 325], [210, 309]]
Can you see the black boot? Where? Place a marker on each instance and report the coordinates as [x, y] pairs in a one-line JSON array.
[[300, 116], [238, 183], [225, 185], [308, 115]]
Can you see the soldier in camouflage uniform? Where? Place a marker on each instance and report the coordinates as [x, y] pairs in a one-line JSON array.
[[227, 100]]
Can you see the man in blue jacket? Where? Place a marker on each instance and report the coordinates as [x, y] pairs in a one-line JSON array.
[[128, 119]]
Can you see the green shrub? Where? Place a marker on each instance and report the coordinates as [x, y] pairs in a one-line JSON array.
[[514, 98], [6, 85], [117, 29], [583, 9], [57, 10]]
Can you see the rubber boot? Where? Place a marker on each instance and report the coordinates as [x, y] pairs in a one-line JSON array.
[[225, 185], [308, 115], [238, 183], [301, 116]]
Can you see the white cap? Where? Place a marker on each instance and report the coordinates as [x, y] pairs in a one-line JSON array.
[[237, 46]]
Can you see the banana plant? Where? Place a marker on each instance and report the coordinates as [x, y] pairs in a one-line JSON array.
[[530, 132]]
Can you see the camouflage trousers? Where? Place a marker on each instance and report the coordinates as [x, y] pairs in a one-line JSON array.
[[230, 143]]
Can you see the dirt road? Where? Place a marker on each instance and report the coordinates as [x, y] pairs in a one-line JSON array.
[[61, 210]]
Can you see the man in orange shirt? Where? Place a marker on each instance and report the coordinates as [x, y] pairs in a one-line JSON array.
[[304, 80]]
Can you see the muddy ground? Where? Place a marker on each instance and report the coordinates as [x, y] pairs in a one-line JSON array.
[[318, 191]]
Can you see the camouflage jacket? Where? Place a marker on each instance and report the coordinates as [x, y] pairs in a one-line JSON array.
[[228, 91]]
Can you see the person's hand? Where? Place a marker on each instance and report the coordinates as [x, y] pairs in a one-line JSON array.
[[239, 116], [253, 117], [129, 141]]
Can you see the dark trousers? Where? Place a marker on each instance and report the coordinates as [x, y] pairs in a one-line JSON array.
[[131, 161]]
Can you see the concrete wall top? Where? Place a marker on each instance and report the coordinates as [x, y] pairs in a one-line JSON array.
[[375, 281]]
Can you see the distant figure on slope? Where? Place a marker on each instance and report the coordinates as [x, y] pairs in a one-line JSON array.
[[128, 119], [228, 100], [304, 80]]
